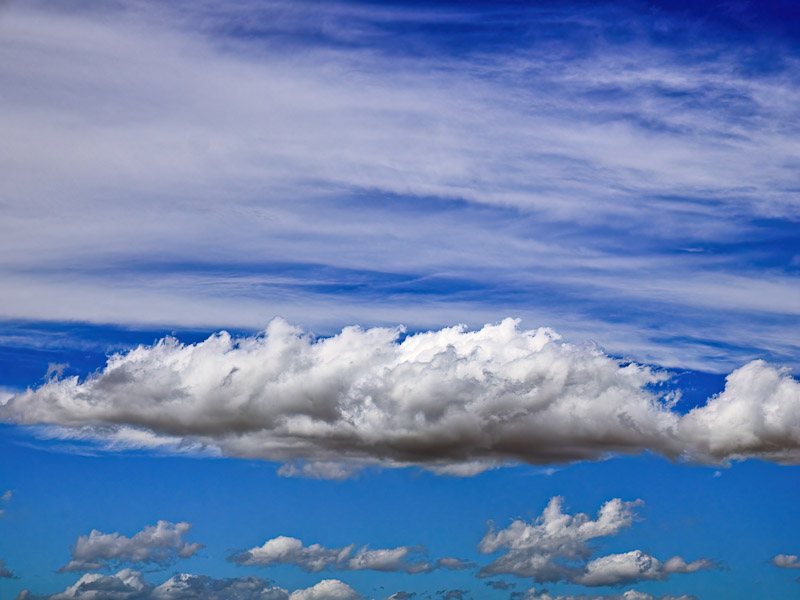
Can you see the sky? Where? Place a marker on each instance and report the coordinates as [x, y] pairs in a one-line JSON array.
[[411, 300]]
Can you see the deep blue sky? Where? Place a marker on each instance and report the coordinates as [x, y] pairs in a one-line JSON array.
[[623, 173]]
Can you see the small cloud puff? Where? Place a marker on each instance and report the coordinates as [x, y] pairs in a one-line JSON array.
[[786, 561]]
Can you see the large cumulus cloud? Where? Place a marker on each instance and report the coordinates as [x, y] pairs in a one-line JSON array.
[[452, 400]]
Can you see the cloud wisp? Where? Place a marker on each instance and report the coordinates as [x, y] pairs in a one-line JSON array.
[[4, 571], [5, 498], [557, 547], [453, 401], [162, 543]]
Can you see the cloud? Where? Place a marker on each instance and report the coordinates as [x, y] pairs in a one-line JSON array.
[[328, 589], [314, 558], [131, 585], [786, 561], [630, 567], [542, 549], [55, 370], [757, 415], [499, 584], [5, 498], [454, 564], [320, 470], [454, 401], [162, 543], [4, 571], [532, 594], [557, 547], [511, 170]]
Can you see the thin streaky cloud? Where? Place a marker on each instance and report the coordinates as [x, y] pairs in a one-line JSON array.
[[415, 164]]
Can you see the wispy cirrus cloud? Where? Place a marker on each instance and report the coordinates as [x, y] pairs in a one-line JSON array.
[[324, 137]]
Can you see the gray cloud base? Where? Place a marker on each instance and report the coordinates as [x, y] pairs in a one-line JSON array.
[[454, 401]]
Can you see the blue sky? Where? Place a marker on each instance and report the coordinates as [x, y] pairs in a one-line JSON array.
[[339, 300]]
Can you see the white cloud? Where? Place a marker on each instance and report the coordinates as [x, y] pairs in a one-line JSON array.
[[288, 550], [454, 401], [131, 585], [786, 561], [617, 569], [55, 370], [320, 470], [401, 596], [454, 564], [5, 498], [327, 589], [161, 543], [757, 414], [557, 547], [200, 117], [547, 548], [441, 399], [393, 559], [315, 558], [124, 585]]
